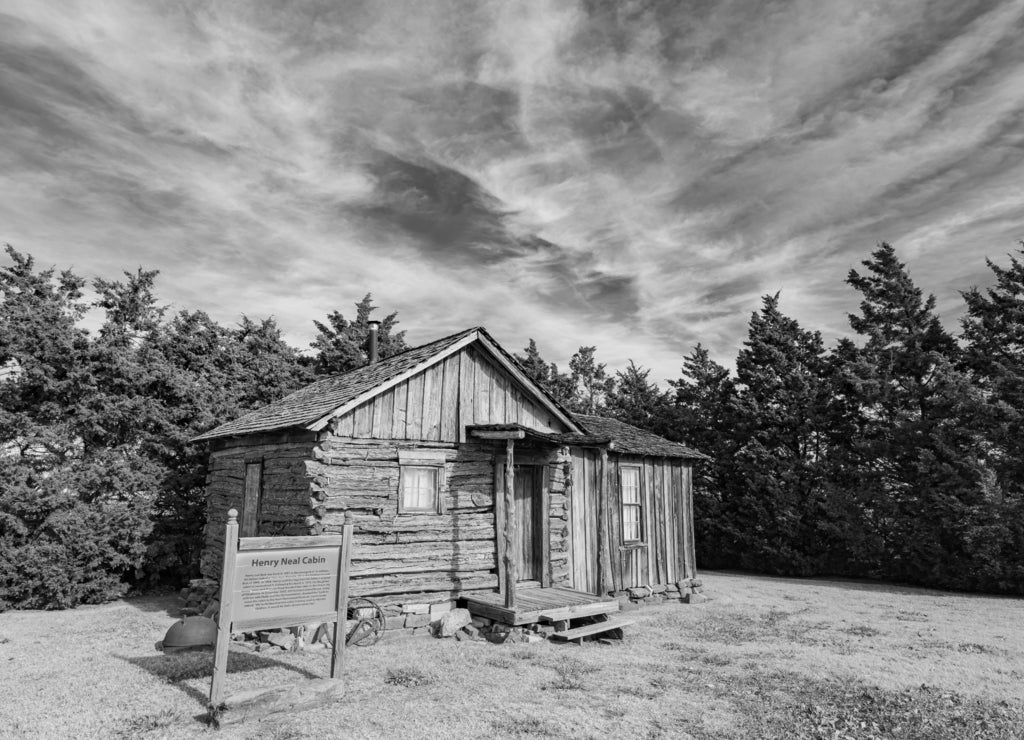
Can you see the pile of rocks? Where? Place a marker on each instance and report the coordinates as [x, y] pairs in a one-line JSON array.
[[199, 594], [689, 590]]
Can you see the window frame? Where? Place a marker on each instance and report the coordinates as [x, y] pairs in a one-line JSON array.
[[422, 460], [637, 505]]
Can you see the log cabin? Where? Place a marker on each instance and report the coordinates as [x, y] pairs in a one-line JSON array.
[[465, 479]]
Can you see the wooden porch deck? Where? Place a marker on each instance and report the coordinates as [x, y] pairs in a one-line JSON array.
[[534, 604]]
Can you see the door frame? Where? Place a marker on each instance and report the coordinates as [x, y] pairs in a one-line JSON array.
[[542, 501]]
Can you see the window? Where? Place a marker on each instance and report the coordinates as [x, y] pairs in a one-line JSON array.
[[419, 489], [632, 508], [421, 481]]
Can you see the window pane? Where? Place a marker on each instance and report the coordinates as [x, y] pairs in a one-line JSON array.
[[419, 489], [630, 478], [630, 522]]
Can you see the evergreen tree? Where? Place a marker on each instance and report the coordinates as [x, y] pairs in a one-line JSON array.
[[994, 332], [701, 416], [341, 345], [779, 502], [589, 381], [635, 400], [534, 365], [916, 467]]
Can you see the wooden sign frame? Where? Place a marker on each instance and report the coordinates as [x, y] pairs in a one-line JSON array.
[[277, 699]]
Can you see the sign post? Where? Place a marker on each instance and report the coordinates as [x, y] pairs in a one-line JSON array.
[[279, 582]]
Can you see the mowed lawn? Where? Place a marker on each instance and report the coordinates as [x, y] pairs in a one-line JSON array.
[[765, 657]]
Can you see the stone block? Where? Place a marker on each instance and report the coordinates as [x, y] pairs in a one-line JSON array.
[[453, 621], [639, 592], [417, 620], [696, 599], [482, 622], [659, 588], [442, 608], [496, 637], [471, 630], [415, 608], [696, 582]]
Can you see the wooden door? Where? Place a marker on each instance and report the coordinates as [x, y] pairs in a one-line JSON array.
[[529, 526]]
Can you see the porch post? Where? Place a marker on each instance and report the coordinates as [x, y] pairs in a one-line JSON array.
[[604, 571], [509, 526]]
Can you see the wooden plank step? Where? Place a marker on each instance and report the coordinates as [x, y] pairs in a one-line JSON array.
[[593, 629], [579, 610]]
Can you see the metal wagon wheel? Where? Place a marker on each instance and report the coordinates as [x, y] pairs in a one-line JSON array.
[[367, 620]]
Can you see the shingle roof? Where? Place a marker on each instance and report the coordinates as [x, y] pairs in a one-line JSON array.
[[601, 431], [630, 439], [318, 399]]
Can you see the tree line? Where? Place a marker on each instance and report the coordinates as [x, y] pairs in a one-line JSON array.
[[894, 455], [897, 454]]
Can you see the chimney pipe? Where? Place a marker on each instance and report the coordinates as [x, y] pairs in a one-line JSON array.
[[374, 329]]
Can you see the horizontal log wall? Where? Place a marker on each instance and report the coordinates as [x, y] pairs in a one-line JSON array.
[[284, 489], [666, 554], [404, 557], [437, 404]]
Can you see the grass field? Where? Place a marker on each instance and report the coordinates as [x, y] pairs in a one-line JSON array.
[[764, 658]]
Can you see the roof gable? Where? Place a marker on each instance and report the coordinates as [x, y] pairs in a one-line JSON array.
[[313, 406]]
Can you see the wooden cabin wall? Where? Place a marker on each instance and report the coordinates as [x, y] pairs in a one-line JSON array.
[[438, 404], [429, 557], [285, 493], [666, 554]]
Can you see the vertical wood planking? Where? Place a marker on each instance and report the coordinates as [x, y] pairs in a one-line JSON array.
[[345, 426], [387, 413], [363, 420], [466, 386], [375, 417], [481, 387], [663, 512], [433, 385], [500, 399], [401, 392], [545, 526], [615, 522], [450, 400], [251, 498], [657, 527], [691, 565], [593, 544], [579, 533], [647, 561], [516, 414], [414, 408]]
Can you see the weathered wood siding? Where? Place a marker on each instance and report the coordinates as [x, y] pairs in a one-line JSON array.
[[666, 554], [284, 488], [437, 404], [396, 556]]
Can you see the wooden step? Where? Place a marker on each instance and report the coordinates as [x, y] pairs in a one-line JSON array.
[[592, 629], [579, 610]]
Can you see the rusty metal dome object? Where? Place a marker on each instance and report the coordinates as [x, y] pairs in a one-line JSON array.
[[190, 633]]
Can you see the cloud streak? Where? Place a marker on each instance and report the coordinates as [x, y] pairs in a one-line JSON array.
[[633, 176]]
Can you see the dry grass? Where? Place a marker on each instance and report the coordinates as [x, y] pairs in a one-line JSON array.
[[764, 658]]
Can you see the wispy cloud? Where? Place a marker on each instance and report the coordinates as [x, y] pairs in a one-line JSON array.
[[633, 176]]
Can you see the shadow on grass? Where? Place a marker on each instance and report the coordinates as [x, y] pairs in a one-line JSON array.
[[176, 668]]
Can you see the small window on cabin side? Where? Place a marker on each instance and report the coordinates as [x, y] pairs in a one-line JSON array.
[[419, 489], [421, 482], [632, 508]]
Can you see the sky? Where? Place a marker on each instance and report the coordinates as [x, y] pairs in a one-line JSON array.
[[630, 175]]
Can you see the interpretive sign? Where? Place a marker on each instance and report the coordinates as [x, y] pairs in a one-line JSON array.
[[278, 582]]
